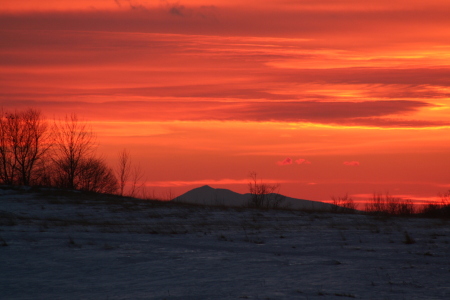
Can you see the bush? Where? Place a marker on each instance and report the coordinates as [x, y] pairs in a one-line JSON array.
[[390, 205], [96, 176], [438, 210], [343, 204], [264, 195]]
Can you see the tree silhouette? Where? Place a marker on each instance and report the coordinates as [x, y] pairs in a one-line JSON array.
[[24, 141], [123, 170], [73, 144]]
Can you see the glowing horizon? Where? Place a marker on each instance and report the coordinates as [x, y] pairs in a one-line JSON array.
[[325, 98]]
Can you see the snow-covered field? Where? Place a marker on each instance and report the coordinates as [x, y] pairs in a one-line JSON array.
[[56, 245]]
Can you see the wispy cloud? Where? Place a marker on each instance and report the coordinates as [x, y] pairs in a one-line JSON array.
[[303, 161], [347, 114], [211, 182], [177, 10], [286, 161], [242, 19], [290, 161], [172, 74]]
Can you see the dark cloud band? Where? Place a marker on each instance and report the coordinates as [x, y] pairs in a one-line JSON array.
[[365, 113]]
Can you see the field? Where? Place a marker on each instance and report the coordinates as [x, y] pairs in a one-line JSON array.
[[73, 245]]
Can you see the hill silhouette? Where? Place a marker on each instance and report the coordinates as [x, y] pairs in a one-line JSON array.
[[206, 195]]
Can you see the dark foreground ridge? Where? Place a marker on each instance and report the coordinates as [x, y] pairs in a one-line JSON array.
[[58, 244]]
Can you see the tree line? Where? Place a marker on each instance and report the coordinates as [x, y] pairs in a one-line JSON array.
[[61, 154]]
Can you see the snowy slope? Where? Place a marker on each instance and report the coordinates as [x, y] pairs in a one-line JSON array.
[[207, 195], [62, 245]]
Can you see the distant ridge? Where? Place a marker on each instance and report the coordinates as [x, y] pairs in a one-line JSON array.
[[206, 195]]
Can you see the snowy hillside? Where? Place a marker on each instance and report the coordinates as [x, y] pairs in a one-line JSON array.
[[69, 245], [207, 195]]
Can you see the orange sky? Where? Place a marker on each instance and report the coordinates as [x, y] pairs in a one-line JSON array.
[[324, 97]]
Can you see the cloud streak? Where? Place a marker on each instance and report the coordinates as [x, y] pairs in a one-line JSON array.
[[286, 161], [212, 182], [374, 113], [302, 161], [349, 114], [267, 20]]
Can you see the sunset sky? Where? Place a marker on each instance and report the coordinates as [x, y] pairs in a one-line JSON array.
[[324, 97]]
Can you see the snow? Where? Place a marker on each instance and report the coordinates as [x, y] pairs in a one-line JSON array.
[[62, 245]]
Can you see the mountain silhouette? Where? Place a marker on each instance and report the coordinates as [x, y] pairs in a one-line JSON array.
[[207, 195]]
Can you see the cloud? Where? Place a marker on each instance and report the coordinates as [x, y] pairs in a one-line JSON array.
[[156, 109], [210, 182], [352, 163], [177, 10], [286, 161], [170, 76], [289, 161], [131, 4], [335, 27], [397, 123], [302, 161], [371, 75], [368, 113]]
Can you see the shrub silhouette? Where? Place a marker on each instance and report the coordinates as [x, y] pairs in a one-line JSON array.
[[264, 195], [387, 204], [343, 204], [438, 210]]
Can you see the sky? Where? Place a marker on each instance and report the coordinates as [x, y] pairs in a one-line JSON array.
[[324, 98]]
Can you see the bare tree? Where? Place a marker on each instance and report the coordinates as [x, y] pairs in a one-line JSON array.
[[130, 177], [7, 160], [264, 195], [123, 170], [73, 144], [24, 141], [137, 181]]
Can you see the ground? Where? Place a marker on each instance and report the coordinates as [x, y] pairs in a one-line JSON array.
[[70, 245]]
